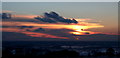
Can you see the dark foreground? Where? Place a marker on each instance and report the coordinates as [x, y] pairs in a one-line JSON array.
[[60, 50]]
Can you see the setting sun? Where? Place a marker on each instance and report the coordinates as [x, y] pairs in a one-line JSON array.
[[76, 33]]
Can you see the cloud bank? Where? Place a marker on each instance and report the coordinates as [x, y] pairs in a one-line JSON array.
[[53, 26], [53, 17]]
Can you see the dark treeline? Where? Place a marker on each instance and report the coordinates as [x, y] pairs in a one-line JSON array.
[[43, 53]]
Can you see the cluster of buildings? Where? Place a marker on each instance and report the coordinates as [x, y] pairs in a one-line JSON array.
[[39, 51]]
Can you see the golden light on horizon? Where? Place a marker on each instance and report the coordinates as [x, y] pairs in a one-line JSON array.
[[76, 33], [76, 29], [81, 30]]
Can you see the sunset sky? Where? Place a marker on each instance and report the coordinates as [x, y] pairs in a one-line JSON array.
[[88, 21]]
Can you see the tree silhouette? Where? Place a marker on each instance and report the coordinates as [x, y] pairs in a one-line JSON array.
[[110, 52]]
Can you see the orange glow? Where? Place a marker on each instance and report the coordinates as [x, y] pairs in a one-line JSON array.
[[6, 11], [78, 28], [32, 34], [76, 33], [84, 32], [43, 35], [59, 26], [10, 30], [81, 28]]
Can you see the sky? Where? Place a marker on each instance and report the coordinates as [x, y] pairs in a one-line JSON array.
[[84, 21], [60, 0]]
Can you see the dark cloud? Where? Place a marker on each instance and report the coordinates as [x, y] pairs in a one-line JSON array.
[[22, 27], [53, 17], [60, 32], [39, 30], [87, 33]]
